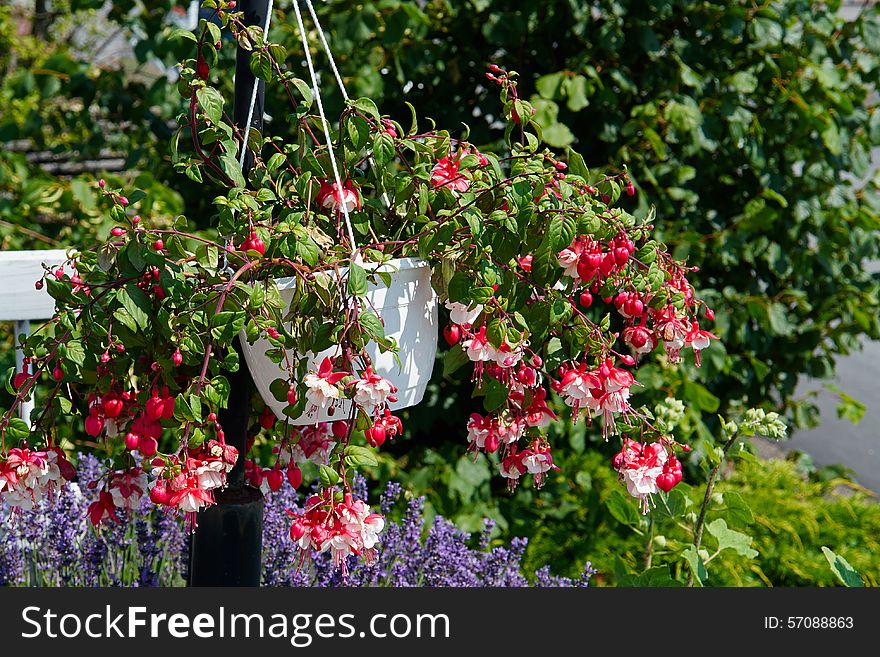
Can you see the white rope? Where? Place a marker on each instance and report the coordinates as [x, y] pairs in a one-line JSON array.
[[339, 81], [327, 50], [250, 115], [326, 126]]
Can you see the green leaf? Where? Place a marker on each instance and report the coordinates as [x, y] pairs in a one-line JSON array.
[[698, 568], [367, 106], [672, 504], [276, 161], [701, 396], [232, 169], [279, 388], [576, 165], [328, 476], [261, 65], [372, 324], [360, 457], [550, 86], [136, 304], [357, 280], [736, 509], [383, 148], [211, 103], [623, 509], [841, 568], [454, 359], [496, 395], [734, 540], [227, 324], [17, 429], [180, 33]]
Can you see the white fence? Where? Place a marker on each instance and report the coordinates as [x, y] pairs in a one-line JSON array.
[[20, 301]]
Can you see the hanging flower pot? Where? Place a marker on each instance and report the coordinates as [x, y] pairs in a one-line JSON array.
[[326, 262], [408, 310]]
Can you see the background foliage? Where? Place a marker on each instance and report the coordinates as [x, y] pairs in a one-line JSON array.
[[750, 126]]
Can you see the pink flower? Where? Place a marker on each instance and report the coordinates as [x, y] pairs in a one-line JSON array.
[[512, 467], [569, 257], [478, 429], [103, 510], [315, 445], [331, 196], [341, 528], [446, 174], [127, 487], [388, 128], [698, 340], [189, 496], [478, 348], [576, 386], [639, 465], [27, 476], [538, 414], [673, 331], [373, 390], [507, 357], [322, 386], [639, 339]]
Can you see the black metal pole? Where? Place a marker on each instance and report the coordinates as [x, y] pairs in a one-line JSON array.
[[226, 549]]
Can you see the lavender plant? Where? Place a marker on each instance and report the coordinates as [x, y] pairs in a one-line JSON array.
[[54, 544]]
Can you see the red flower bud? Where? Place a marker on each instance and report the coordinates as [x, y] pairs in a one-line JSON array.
[[94, 426], [339, 429], [452, 334], [294, 476], [267, 418]]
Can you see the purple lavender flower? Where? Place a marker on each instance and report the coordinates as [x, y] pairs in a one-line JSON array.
[[55, 545]]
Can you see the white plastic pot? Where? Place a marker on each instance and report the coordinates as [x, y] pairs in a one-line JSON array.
[[408, 308]]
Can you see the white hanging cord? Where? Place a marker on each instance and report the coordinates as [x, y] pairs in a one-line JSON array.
[[339, 81], [327, 49], [326, 127], [250, 116]]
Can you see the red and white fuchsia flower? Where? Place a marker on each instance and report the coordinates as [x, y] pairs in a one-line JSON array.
[[646, 470], [342, 528], [446, 173], [28, 476], [126, 488], [187, 485], [323, 389], [310, 443], [337, 199], [372, 390]]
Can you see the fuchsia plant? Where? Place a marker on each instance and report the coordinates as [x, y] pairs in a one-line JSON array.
[[550, 288]]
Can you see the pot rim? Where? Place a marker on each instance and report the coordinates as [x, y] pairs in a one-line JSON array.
[[392, 266]]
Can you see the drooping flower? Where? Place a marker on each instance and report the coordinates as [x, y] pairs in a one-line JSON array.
[[698, 340], [576, 385], [340, 528], [337, 199], [315, 444], [127, 487], [103, 509], [477, 347], [446, 174], [322, 385], [461, 314], [373, 390], [639, 465], [538, 414]]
